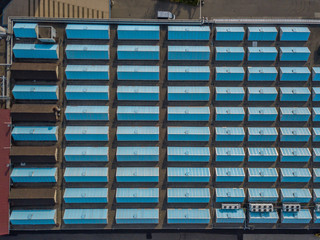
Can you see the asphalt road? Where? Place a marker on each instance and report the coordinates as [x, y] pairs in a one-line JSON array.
[[156, 236], [279, 237], [120, 236]]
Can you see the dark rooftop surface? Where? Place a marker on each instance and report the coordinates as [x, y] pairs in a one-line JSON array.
[[313, 43]]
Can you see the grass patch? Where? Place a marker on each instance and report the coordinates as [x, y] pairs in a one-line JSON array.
[[191, 2]]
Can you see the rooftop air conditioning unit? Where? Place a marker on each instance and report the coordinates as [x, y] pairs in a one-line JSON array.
[[260, 207], [230, 206], [46, 34], [291, 207]]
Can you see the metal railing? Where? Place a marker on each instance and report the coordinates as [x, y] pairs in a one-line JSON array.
[[267, 21], [3, 88], [5, 79]]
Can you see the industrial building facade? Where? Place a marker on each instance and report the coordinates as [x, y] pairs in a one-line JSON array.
[[164, 126]]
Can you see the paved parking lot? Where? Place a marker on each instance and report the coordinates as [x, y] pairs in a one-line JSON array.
[[218, 9]]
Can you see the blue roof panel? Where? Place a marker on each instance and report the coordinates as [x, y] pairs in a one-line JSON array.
[[87, 31], [229, 33], [268, 114], [229, 154], [188, 73], [87, 113], [35, 133], [87, 92], [295, 175], [136, 133], [262, 175], [294, 134], [137, 195], [303, 217], [294, 154], [289, 33], [183, 174], [138, 32], [316, 195], [229, 114], [263, 217], [188, 216], [87, 72], [137, 113], [36, 92], [86, 195], [230, 215], [87, 133], [262, 73], [86, 154], [33, 217], [301, 94], [229, 53], [33, 51], [316, 74], [86, 174], [262, 195], [188, 134], [25, 30], [233, 195], [188, 113], [34, 175], [229, 94], [137, 216], [294, 54], [229, 134], [296, 195], [137, 174], [93, 52], [188, 154], [188, 32], [230, 175], [262, 33], [262, 154], [138, 52], [85, 216], [193, 93], [128, 154], [188, 195], [262, 54], [229, 73], [258, 134]]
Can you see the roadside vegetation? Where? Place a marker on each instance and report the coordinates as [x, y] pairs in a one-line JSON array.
[[191, 2]]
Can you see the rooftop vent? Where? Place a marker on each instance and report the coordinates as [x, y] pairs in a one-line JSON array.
[[230, 206], [291, 207], [317, 207], [260, 207]]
